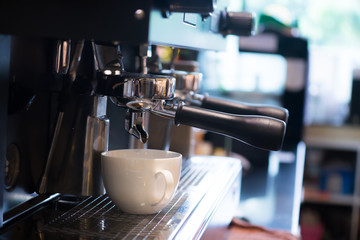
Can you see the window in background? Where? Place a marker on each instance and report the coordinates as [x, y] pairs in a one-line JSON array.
[[262, 73], [333, 30], [334, 33]]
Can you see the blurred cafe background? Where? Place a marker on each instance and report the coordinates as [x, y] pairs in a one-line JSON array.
[[303, 52]]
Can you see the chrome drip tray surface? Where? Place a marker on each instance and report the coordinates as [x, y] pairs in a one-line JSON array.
[[99, 218]]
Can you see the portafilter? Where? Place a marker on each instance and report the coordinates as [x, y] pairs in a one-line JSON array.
[[187, 88], [141, 92]]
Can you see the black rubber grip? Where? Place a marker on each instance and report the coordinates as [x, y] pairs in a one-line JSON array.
[[258, 131], [234, 107]]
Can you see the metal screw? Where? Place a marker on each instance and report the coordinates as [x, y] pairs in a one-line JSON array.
[[139, 14]]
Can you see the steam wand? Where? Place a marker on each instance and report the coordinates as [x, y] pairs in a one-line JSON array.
[[68, 71]]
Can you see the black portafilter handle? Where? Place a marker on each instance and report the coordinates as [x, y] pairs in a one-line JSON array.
[[258, 131], [236, 107]]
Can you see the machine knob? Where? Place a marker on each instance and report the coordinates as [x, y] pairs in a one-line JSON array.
[[237, 23]]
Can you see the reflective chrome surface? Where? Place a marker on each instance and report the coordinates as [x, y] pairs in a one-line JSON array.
[[96, 142], [62, 58], [185, 81], [134, 124], [142, 88], [74, 166]]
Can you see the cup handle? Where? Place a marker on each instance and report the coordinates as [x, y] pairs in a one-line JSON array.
[[169, 186]]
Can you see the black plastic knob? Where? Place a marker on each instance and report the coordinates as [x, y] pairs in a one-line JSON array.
[[237, 23]]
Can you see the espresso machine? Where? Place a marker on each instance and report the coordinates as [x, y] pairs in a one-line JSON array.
[[75, 82]]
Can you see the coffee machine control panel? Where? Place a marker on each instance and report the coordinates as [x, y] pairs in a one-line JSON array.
[[188, 6], [200, 24]]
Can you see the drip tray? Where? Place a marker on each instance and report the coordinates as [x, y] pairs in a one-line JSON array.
[[204, 182]]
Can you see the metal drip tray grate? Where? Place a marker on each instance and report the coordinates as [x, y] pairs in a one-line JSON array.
[[99, 218]]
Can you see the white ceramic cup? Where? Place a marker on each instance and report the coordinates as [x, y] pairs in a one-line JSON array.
[[141, 181]]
